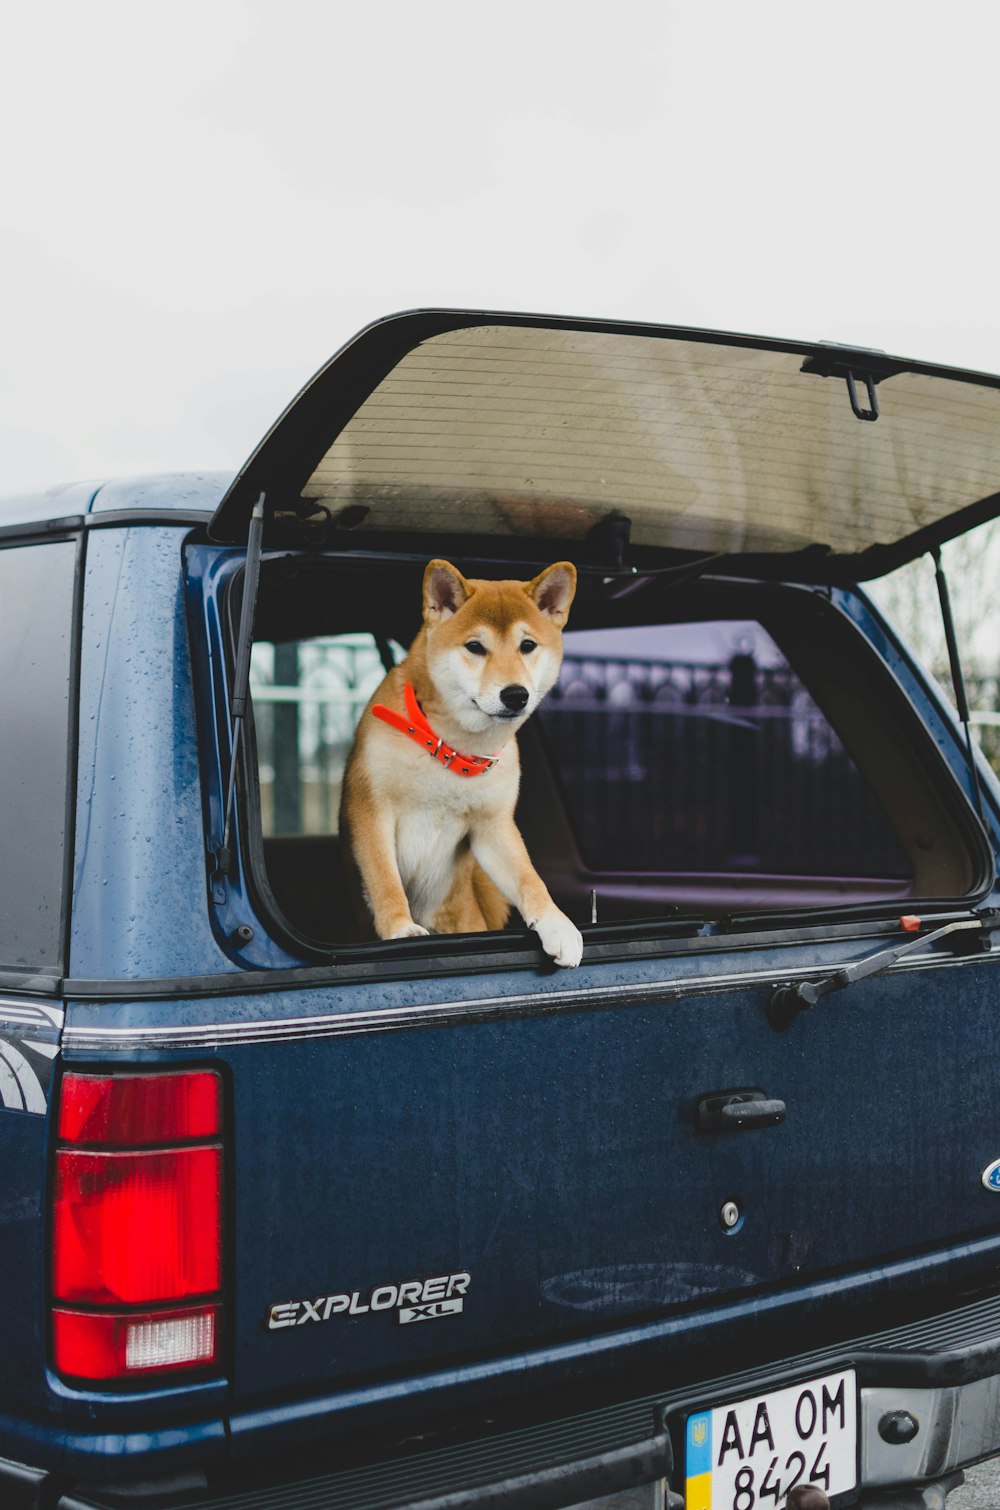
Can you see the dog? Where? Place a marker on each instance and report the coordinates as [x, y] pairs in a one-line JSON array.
[[430, 830]]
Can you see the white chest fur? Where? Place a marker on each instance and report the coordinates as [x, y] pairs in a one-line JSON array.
[[427, 842]]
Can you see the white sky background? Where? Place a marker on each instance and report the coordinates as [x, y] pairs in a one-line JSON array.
[[202, 201]]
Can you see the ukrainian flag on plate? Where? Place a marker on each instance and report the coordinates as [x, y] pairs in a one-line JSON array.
[[698, 1458]]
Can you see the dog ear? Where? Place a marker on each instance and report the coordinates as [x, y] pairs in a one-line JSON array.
[[553, 591], [445, 590]]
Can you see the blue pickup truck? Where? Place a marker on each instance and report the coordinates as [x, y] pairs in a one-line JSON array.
[[291, 1216]]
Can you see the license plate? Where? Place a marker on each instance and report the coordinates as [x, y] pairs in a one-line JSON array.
[[748, 1456]]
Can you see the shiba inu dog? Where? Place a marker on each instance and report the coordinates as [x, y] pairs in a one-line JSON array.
[[427, 812]]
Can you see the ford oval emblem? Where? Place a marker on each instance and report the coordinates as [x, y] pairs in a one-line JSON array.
[[991, 1176]]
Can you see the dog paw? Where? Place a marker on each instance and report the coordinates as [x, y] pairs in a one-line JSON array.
[[409, 931], [560, 938], [398, 926]]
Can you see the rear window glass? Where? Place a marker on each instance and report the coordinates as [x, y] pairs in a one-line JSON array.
[[696, 747], [697, 445], [36, 603]]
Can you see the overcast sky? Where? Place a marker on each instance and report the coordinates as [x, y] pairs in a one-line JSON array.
[[202, 201]]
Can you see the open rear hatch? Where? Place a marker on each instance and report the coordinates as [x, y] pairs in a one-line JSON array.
[[629, 443], [523, 1162]]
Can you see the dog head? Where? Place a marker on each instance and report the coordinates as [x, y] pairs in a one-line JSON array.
[[494, 648]]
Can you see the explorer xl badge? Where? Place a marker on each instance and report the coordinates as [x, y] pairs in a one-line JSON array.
[[413, 1300]]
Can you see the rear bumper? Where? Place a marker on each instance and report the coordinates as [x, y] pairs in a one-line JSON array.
[[550, 1488], [943, 1371]]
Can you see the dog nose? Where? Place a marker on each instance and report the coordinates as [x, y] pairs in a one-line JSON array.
[[514, 698]]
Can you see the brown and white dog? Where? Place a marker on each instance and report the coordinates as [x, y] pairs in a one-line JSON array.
[[427, 813]]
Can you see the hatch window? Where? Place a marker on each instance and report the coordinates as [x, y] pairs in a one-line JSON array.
[[704, 445]]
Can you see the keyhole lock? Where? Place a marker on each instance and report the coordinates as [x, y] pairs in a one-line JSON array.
[[730, 1215]]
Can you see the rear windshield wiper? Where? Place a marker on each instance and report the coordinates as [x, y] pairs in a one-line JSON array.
[[789, 1000]]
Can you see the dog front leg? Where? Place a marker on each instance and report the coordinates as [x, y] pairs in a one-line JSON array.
[[501, 852], [373, 845]]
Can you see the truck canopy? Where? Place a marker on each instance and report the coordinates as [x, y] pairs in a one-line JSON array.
[[630, 445]]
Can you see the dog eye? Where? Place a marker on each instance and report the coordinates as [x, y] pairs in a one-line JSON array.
[[527, 646], [475, 648]]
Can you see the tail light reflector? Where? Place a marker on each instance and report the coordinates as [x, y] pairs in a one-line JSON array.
[[137, 1224], [104, 1347]]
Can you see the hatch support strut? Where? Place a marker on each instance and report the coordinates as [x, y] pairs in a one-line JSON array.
[[957, 677], [240, 688]]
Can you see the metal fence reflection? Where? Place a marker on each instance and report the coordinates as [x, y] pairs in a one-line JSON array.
[[727, 767], [669, 764]]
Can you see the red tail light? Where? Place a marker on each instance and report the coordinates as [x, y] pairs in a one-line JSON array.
[[140, 1110], [137, 1224]]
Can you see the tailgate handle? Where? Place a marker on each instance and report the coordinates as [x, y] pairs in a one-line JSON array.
[[738, 1111]]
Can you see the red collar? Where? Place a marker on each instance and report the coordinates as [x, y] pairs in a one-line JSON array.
[[416, 726]]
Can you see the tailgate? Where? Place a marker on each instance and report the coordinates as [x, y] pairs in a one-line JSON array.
[[526, 1167]]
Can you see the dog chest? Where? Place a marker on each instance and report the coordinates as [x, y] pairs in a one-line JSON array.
[[428, 843]]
